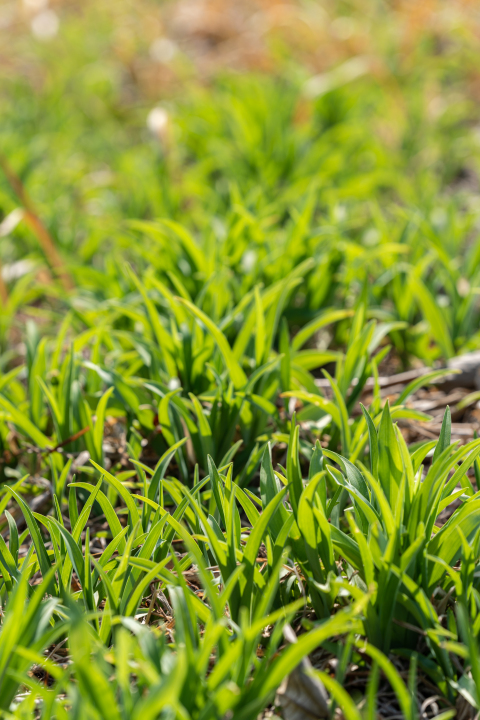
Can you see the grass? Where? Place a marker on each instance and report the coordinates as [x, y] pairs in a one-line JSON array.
[[176, 485]]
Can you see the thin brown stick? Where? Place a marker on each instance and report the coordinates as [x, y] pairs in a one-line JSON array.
[[3, 289], [151, 608], [36, 225], [72, 438]]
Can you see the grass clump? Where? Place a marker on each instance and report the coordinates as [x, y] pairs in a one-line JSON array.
[[196, 454]]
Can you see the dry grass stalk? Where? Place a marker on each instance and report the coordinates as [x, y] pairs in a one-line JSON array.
[[38, 228], [3, 289]]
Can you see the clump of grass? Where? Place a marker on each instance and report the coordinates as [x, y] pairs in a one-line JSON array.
[[186, 470], [204, 567]]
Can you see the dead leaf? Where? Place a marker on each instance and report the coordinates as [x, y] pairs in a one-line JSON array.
[[301, 695]]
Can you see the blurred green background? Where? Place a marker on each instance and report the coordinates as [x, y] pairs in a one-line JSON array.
[[346, 132]]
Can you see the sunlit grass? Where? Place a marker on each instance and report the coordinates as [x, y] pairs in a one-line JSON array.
[[182, 259]]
